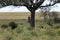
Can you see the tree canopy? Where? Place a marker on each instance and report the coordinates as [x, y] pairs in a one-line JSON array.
[[28, 2]]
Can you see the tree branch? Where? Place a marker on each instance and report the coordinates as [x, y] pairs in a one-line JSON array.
[[51, 4], [40, 2], [31, 1], [48, 5], [20, 4]]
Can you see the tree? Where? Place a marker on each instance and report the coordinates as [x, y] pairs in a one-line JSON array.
[[32, 6], [48, 16]]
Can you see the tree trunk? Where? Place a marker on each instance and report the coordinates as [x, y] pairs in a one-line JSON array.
[[32, 20]]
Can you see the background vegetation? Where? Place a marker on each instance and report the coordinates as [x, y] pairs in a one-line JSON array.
[[44, 30]]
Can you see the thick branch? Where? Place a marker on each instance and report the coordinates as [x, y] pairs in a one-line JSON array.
[[31, 1], [20, 4], [48, 5], [51, 4], [40, 2], [58, 1]]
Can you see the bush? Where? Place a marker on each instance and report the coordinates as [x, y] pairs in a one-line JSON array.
[[50, 32], [4, 26], [18, 30], [56, 17], [58, 32], [57, 20], [34, 33], [26, 38], [13, 25], [56, 26], [8, 38]]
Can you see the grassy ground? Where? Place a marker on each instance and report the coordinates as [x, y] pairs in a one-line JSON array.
[[22, 32], [16, 15]]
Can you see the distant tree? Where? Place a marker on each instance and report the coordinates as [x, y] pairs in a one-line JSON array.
[[47, 15], [50, 17], [32, 6]]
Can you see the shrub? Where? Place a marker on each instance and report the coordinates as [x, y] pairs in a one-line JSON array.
[[58, 32], [9, 37], [57, 20], [18, 30], [56, 17], [13, 25], [56, 26], [34, 33], [50, 32], [21, 23], [26, 38], [4, 26]]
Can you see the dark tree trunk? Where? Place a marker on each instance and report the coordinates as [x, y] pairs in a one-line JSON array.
[[29, 19], [32, 20]]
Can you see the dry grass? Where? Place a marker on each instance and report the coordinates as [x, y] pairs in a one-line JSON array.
[[16, 15], [22, 32]]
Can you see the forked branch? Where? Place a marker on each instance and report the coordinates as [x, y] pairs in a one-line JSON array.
[[54, 2]]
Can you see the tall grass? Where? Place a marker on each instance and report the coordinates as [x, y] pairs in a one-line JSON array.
[[42, 31]]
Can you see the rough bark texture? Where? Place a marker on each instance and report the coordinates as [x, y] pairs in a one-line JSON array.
[[29, 19], [32, 20]]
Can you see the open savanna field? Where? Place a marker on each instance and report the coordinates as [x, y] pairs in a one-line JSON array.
[[22, 32], [17, 15]]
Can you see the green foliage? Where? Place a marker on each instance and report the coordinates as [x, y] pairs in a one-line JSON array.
[[57, 20], [50, 32], [4, 26], [39, 33], [56, 26], [26, 38], [51, 18], [58, 32], [21, 23], [13, 25], [34, 33], [26, 35], [18, 30], [8, 38]]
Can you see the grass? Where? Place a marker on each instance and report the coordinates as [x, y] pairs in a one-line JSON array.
[[22, 32], [16, 15]]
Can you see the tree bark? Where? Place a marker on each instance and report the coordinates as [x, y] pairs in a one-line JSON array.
[[32, 20]]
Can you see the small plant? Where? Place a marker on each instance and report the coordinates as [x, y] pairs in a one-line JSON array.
[[34, 33], [56, 26], [8, 37], [18, 30], [50, 32], [21, 23], [26, 38], [4, 26], [58, 32], [57, 20], [13, 25]]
